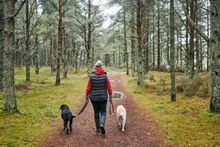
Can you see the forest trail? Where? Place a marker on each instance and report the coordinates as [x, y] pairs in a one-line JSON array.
[[140, 131]]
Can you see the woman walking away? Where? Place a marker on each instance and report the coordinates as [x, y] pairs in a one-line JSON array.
[[98, 90]]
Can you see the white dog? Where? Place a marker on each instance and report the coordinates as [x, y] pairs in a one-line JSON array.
[[121, 116]]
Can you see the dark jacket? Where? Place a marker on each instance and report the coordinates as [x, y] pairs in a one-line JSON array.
[[98, 86]]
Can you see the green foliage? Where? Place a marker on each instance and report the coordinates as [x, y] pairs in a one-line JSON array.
[[152, 78], [196, 86], [187, 86], [38, 106], [186, 122]]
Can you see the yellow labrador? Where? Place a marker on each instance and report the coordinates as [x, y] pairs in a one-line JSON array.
[[121, 116]]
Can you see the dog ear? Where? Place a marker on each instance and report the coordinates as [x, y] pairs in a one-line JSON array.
[[61, 107]]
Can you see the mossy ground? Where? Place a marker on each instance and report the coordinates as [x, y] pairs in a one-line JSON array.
[[38, 105], [187, 122]]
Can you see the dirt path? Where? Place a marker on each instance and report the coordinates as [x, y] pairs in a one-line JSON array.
[[140, 131]]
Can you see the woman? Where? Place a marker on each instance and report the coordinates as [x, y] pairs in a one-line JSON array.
[[98, 89]]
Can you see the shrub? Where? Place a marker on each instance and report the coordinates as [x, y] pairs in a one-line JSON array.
[[179, 87], [179, 69], [187, 86], [197, 82], [152, 78], [164, 68], [163, 83], [204, 90]]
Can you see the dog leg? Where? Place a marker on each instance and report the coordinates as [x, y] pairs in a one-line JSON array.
[[123, 125], [70, 124], [123, 128], [65, 126]]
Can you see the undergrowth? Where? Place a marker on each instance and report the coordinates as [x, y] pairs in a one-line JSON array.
[[186, 122], [38, 105]]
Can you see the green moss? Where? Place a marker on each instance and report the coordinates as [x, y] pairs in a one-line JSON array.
[[38, 106], [187, 122]]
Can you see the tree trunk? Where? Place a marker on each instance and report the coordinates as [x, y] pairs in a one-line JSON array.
[[132, 44], [54, 55], [76, 57], [59, 49], [140, 70], [168, 45], [80, 59], [146, 46], [215, 57], [158, 37], [9, 94], [89, 35], [125, 41], [36, 55], [119, 58], [172, 52], [153, 41], [114, 60], [65, 56], [37, 69], [1, 41], [27, 51], [51, 54], [208, 34], [191, 41], [181, 51], [187, 58]]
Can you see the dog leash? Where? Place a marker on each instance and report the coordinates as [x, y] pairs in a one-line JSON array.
[[111, 108], [84, 106]]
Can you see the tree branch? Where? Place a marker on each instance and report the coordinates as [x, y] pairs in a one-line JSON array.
[[19, 8]]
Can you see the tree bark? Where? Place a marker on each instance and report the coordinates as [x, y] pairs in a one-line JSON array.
[[125, 41], [59, 50], [191, 41], [51, 55], [146, 46], [1, 41], [172, 52], [27, 50], [89, 35], [153, 41], [9, 94], [215, 57], [132, 44], [158, 37], [76, 56], [208, 34], [65, 56], [37, 68], [139, 24], [187, 58]]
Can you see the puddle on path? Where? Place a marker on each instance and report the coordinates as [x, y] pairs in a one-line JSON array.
[[116, 95], [115, 81]]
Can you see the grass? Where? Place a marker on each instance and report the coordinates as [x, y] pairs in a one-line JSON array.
[[38, 106], [186, 122]]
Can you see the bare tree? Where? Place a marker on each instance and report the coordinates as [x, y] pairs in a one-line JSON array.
[[172, 52], [1, 41], [27, 42], [9, 94], [59, 49], [215, 57]]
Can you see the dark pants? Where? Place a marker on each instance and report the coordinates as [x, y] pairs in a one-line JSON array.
[[99, 109]]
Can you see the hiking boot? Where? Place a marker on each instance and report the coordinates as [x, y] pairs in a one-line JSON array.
[[102, 128]]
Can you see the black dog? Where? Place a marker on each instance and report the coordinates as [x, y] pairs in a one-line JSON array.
[[67, 117]]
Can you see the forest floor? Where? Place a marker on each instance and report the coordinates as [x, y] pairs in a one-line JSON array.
[[153, 120], [141, 129]]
